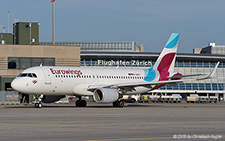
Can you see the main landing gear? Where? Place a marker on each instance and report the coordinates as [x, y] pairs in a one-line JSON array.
[[119, 104], [80, 102], [37, 101]]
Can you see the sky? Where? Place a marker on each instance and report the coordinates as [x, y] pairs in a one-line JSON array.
[[147, 22]]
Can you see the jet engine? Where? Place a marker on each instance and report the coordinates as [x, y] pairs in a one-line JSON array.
[[105, 95], [52, 98]]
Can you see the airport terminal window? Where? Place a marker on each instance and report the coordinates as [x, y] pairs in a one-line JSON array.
[[23, 63], [208, 86], [201, 86], [212, 65], [220, 65], [199, 64], [188, 86], [36, 61], [181, 86], [221, 86], [175, 87], [195, 86], [186, 64], [214, 86], [206, 64], [180, 64]]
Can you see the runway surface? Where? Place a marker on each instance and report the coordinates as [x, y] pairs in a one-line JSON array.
[[100, 122]]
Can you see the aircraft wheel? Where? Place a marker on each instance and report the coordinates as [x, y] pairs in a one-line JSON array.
[[118, 104], [121, 104], [38, 105], [81, 103], [78, 103]]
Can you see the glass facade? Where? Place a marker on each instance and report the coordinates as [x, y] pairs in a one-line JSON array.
[[99, 46], [23, 63]]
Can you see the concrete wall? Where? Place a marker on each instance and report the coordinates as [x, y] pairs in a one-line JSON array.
[[64, 55]]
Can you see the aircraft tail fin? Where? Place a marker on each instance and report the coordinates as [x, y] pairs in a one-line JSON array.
[[166, 60]]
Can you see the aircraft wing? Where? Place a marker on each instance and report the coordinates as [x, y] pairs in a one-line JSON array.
[[135, 84]]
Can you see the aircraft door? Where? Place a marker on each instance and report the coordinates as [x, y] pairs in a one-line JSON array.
[[47, 76]]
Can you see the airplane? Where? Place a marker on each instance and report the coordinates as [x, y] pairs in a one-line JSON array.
[[106, 85]]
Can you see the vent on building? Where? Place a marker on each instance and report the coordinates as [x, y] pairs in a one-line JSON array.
[[2, 42], [212, 44]]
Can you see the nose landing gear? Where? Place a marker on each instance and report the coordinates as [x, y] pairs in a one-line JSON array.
[[37, 101], [38, 105]]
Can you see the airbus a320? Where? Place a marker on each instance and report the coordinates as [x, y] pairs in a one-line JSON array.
[[106, 85]]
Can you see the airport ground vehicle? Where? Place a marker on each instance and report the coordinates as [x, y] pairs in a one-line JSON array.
[[195, 98], [130, 98], [174, 98]]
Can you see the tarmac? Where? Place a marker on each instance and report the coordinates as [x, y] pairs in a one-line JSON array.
[[102, 122]]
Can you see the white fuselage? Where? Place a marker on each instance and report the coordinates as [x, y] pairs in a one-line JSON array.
[[76, 80]]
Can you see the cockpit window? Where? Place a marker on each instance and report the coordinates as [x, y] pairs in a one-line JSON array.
[[32, 75], [19, 75], [29, 75], [23, 75]]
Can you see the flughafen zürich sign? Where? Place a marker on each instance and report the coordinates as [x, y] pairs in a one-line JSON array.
[[124, 63]]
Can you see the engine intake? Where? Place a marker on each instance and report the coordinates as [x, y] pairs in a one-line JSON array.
[[105, 95]]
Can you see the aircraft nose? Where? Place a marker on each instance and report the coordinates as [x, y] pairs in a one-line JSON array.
[[15, 85]]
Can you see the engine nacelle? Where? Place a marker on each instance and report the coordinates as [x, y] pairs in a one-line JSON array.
[[105, 95], [52, 98]]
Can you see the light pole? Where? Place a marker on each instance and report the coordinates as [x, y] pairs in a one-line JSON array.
[[53, 22]]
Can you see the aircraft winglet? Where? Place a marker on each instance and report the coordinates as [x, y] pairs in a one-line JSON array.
[[211, 74]]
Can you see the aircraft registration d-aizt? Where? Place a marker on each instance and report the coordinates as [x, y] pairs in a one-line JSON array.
[[106, 85]]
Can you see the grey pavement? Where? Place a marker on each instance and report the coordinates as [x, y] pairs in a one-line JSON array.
[[56, 122]]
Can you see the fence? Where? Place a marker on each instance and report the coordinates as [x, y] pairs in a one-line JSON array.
[[9, 96]]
